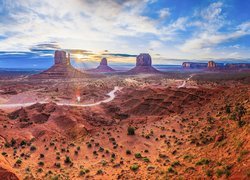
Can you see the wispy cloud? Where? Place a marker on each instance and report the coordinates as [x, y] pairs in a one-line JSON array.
[[164, 13], [208, 34], [122, 26]]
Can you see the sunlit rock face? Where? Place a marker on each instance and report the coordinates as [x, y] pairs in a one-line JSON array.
[[143, 65], [194, 65], [211, 64], [61, 69], [61, 57], [143, 60]]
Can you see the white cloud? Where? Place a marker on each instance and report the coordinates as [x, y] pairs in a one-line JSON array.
[[80, 24], [119, 26], [164, 13], [208, 36]]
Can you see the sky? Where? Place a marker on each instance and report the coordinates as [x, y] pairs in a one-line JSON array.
[[172, 31]]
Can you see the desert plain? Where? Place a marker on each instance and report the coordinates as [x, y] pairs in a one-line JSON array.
[[175, 125]]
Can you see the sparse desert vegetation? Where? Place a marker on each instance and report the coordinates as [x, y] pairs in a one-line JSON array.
[[148, 131]]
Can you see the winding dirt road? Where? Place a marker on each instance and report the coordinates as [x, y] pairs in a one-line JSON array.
[[185, 81], [111, 95]]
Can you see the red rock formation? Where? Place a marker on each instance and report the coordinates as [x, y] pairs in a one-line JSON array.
[[211, 64], [194, 65], [103, 67], [6, 171], [61, 69], [143, 65]]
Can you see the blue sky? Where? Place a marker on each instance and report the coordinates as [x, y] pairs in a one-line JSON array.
[[170, 30]]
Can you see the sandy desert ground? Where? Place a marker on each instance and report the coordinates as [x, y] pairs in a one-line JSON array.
[[167, 126]]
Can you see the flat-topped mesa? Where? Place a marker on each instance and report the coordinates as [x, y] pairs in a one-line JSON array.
[[143, 65], [194, 65], [143, 59], [62, 68], [211, 64], [61, 57]]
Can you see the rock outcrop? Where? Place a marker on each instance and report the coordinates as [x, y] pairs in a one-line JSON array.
[[61, 69], [6, 171], [143, 65], [237, 66], [194, 65], [103, 67], [211, 64]]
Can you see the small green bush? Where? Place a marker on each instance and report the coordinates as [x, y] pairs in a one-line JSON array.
[[134, 167], [131, 130]]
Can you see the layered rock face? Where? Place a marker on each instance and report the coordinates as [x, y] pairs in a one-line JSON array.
[[104, 62], [103, 67], [6, 171], [143, 65], [194, 65], [143, 60], [61, 57], [211, 64], [237, 66], [62, 68]]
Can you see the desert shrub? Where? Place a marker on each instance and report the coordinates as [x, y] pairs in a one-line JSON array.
[[41, 163], [175, 163], [39, 170], [209, 173], [203, 161], [242, 153], [67, 160], [83, 171], [171, 170], [188, 157], [33, 148], [4, 153], [12, 142], [23, 143], [138, 155], [99, 171], [104, 163], [41, 155], [58, 165], [128, 152], [19, 161], [241, 123], [145, 159], [134, 167], [220, 172], [228, 109], [89, 145], [131, 130], [101, 149]]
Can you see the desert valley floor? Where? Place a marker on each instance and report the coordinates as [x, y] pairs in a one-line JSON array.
[[166, 126]]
